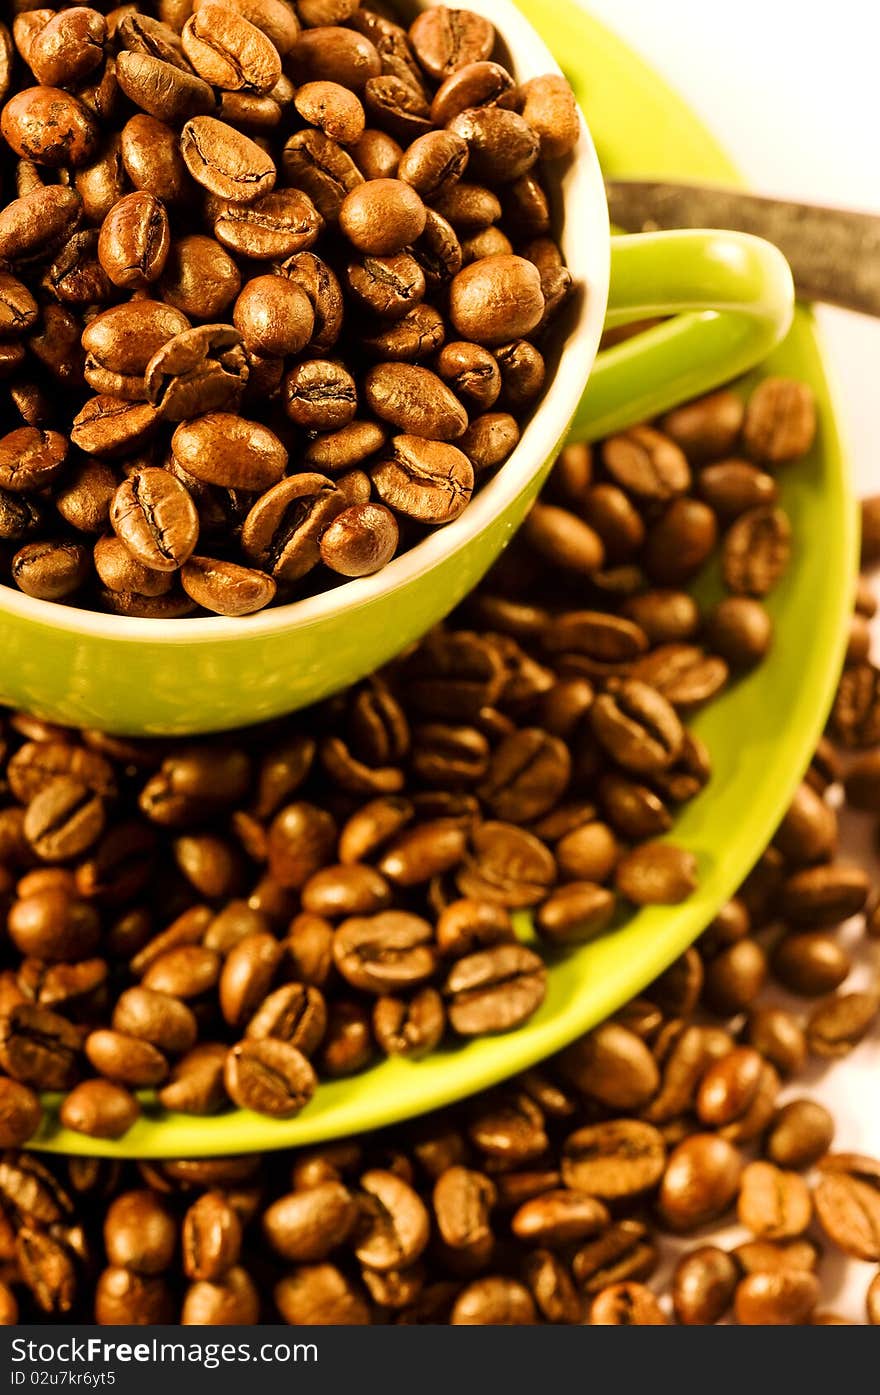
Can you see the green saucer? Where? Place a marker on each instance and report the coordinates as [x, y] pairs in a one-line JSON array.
[[761, 733]]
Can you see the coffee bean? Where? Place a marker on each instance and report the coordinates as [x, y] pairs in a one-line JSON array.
[[385, 952], [810, 964], [756, 551], [839, 1023], [612, 1065], [783, 1299], [801, 1132], [494, 990], [31, 458], [703, 1286], [575, 913], [211, 1238], [496, 298], [320, 1293], [307, 1226], [39, 1047], [269, 1076], [740, 630], [656, 874], [155, 518], [232, 1299], [735, 977], [100, 1109], [626, 1305], [20, 1113], [229, 52], [821, 896], [394, 1226], [700, 1181], [49, 126], [780, 420], [614, 1160], [773, 1203], [446, 40], [224, 161]]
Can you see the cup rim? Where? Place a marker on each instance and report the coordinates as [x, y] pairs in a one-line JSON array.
[[586, 242]]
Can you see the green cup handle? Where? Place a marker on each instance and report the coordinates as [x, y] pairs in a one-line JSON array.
[[731, 299]]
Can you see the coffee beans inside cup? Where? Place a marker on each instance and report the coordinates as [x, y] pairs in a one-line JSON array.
[[229, 921], [276, 290]]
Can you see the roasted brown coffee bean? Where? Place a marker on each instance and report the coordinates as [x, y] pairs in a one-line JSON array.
[[232, 1299], [756, 551], [31, 458], [445, 40], [839, 1023], [821, 896], [155, 518], [707, 428], [703, 1286], [320, 1293], [773, 1203], [20, 1113], [780, 420], [385, 952], [626, 1305], [134, 241], [638, 727], [729, 1086], [126, 1060], [801, 1132], [778, 1036], [269, 1076], [282, 531], [734, 977], [656, 874], [810, 964], [211, 1239], [49, 126], [647, 464], [39, 1047], [229, 52], [428, 480], [164, 90], [63, 820], [621, 1252], [700, 1181], [50, 571], [494, 990], [199, 370], [226, 162], [575, 913], [783, 1299], [100, 1109], [200, 278], [613, 1160], [223, 449], [308, 1225], [613, 1066], [495, 299]]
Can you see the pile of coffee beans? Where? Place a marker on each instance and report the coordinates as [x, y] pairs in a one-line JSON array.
[[272, 291], [225, 921], [579, 1192]]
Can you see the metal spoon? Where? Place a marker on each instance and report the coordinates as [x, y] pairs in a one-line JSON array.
[[834, 253]]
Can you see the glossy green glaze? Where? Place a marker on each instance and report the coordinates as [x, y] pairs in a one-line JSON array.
[[761, 733]]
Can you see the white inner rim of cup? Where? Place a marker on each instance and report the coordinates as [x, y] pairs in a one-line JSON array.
[[585, 242]]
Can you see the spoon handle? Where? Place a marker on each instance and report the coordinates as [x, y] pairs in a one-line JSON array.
[[834, 253]]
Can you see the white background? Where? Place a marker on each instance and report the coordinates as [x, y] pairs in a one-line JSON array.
[[791, 87]]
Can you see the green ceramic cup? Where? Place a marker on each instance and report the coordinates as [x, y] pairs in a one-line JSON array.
[[731, 298]]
